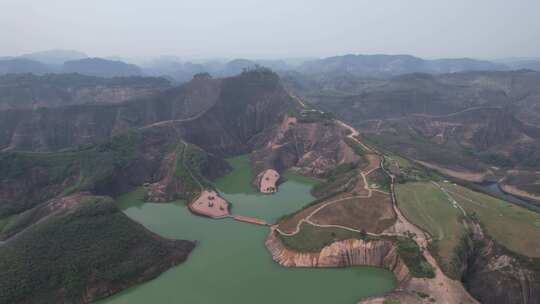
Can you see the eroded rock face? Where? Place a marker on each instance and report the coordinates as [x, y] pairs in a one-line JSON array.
[[227, 115], [499, 277], [345, 253], [219, 115], [309, 148]]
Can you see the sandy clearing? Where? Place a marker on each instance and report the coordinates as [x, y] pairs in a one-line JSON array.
[[373, 214], [268, 181], [210, 204], [476, 177], [518, 192]]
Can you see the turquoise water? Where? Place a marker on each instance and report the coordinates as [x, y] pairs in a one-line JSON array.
[[231, 265]]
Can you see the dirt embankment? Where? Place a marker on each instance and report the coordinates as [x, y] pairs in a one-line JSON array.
[[345, 253], [475, 177], [518, 192], [490, 266]]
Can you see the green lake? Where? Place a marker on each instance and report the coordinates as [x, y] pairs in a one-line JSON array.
[[230, 264]]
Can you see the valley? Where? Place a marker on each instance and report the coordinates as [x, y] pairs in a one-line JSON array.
[[479, 127], [230, 263], [215, 161], [270, 152]]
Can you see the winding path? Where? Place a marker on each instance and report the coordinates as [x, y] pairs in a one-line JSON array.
[[353, 135], [402, 225], [364, 175]]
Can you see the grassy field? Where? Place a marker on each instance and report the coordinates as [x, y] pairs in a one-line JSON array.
[[313, 239], [374, 214], [402, 162], [427, 206], [512, 226], [335, 184], [357, 148]]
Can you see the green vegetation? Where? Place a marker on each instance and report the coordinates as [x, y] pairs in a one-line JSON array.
[[122, 147], [306, 113], [380, 180], [391, 301], [35, 172], [46, 174], [185, 172], [511, 226], [415, 146], [93, 243], [402, 162], [190, 163], [491, 158], [460, 257], [414, 259], [408, 170], [313, 239], [412, 172], [340, 169], [241, 90], [98, 163], [3, 222], [338, 180], [245, 255], [310, 115], [357, 148], [17, 164], [18, 222], [430, 208]]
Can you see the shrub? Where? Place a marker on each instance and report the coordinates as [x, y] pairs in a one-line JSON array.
[[414, 259]]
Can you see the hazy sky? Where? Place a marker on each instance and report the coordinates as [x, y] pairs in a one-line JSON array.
[[273, 28]]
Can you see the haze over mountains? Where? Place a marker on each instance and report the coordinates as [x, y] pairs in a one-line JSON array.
[[364, 66], [71, 144], [196, 151]]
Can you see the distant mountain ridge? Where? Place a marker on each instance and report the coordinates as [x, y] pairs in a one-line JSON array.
[[101, 68], [383, 66], [479, 126], [88, 66], [27, 91], [379, 66], [55, 57], [22, 66]]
